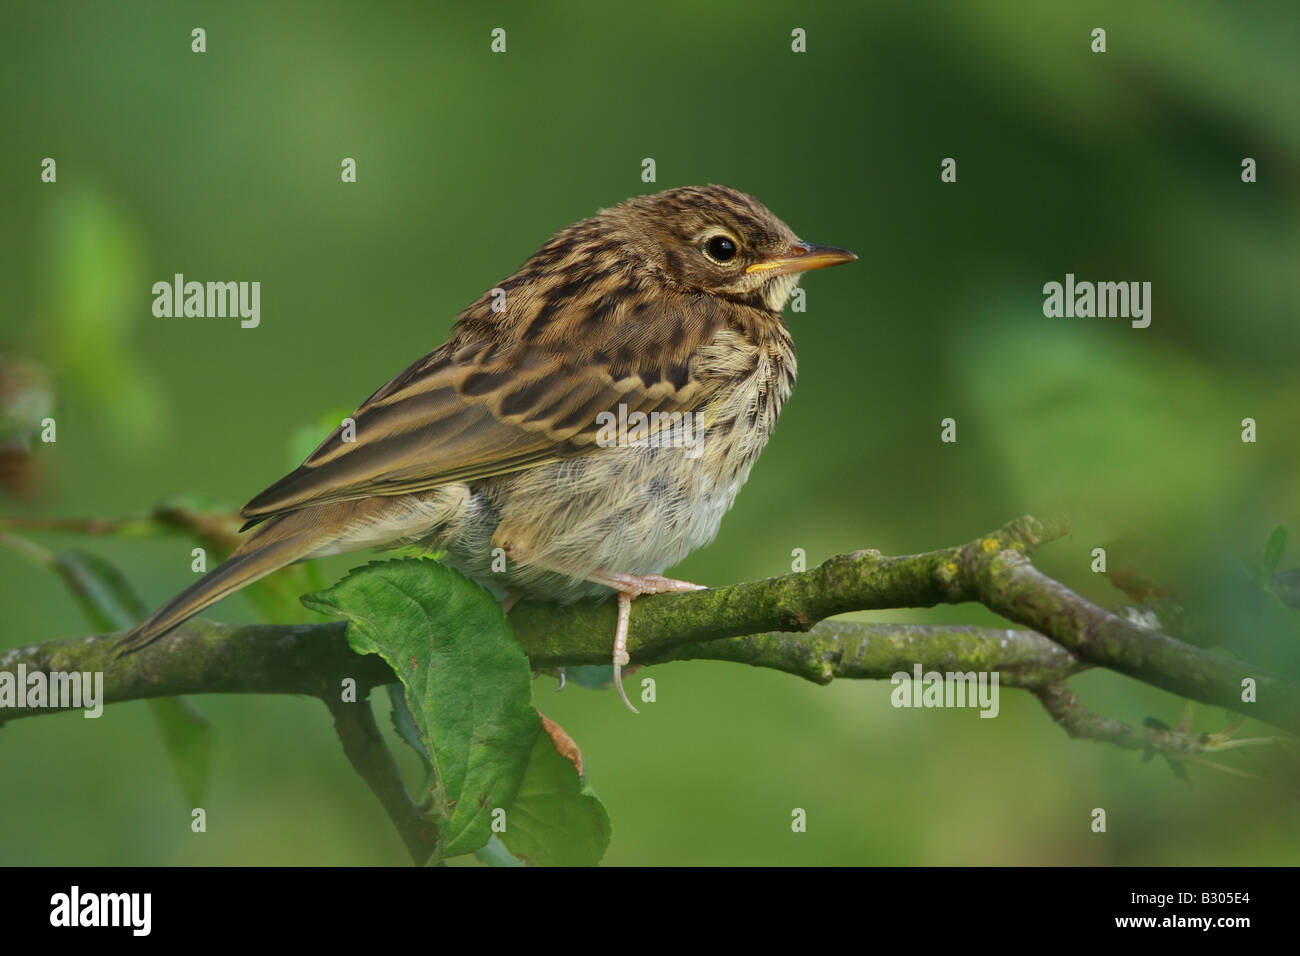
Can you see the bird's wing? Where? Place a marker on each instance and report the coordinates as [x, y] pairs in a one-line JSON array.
[[490, 402]]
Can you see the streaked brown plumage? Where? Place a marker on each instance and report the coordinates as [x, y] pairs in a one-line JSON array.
[[665, 303]]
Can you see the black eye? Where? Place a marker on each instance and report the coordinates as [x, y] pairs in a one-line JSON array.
[[721, 248]]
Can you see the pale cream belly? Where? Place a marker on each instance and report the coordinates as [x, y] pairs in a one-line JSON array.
[[619, 510], [542, 532]]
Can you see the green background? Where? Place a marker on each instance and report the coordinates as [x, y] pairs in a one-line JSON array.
[[1122, 166]]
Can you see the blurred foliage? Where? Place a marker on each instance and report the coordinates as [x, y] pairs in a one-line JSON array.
[[1119, 166], [91, 271], [26, 404]]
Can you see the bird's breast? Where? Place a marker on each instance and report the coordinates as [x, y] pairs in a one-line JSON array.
[[636, 508]]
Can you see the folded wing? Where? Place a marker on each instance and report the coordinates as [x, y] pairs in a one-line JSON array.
[[498, 399]]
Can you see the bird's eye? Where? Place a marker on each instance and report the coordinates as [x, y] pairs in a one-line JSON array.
[[720, 249]]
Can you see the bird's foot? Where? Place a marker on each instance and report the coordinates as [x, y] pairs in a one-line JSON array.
[[630, 587]]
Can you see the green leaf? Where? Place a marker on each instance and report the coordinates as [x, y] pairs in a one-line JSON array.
[[190, 743], [494, 853], [467, 683], [110, 604], [556, 818], [591, 676], [1273, 551], [404, 723], [102, 592]]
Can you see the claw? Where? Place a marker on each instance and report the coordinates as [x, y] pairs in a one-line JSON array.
[[631, 586], [620, 645]]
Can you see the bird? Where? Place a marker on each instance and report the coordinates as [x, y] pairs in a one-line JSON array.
[[591, 418]]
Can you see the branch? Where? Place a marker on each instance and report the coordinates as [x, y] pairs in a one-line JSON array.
[[851, 650], [993, 570], [206, 657], [371, 758], [203, 657]]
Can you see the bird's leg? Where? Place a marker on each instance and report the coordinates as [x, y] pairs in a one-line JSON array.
[[630, 587], [627, 586]]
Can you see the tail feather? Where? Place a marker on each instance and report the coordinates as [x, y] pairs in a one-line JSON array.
[[272, 547]]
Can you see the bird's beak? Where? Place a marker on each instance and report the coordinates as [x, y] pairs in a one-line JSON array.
[[802, 257]]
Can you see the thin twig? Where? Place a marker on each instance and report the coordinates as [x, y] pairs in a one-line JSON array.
[[370, 757]]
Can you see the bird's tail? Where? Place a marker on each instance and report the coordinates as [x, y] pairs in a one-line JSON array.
[[273, 545]]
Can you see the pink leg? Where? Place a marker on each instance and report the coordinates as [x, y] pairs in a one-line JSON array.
[[630, 587]]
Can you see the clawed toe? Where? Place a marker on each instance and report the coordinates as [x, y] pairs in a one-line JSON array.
[[629, 587]]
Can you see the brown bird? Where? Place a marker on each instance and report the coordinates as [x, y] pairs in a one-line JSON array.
[[593, 417]]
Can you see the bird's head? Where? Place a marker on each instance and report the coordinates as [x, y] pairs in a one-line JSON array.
[[716, 240]]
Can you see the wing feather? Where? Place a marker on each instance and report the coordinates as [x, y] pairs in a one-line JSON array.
[[495, 400]]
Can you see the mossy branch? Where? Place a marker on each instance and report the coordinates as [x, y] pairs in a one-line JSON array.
[[771, 623]]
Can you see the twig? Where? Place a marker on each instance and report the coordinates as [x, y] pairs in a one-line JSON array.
[[220, 529], [371, 758]]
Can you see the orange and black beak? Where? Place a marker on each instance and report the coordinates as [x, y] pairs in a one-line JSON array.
[[802, 257]]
